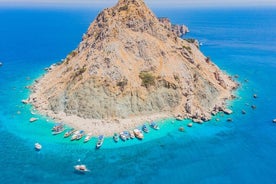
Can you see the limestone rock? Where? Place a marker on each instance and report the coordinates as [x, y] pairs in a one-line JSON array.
[[179, 30], [130, 64]]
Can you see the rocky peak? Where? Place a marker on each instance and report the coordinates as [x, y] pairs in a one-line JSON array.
[[137, 3], [132, 15]]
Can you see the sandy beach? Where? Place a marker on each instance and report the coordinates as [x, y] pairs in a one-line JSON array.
[[106, 127]]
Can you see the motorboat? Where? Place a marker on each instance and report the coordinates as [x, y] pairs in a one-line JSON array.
[[74, 136], [38, 146], [138, 133], [58, 128], [145, 128], [81, 168], [69, 132], [127, 135], [132, 136], [100, 141], [123, 136], [116, 137], [88, 137], [154, 126], [58, 131], [80, 135]]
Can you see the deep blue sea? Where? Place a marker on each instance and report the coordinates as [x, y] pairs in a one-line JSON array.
[[240, 41]]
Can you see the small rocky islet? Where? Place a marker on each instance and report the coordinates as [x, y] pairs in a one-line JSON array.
[[129, 65]]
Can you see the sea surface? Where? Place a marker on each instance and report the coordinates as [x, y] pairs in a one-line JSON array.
[[242, 42]]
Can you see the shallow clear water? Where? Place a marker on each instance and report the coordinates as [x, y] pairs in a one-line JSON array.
[[240, 41]]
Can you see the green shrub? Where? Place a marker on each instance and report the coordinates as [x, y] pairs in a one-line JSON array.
[[147, 79], [187, 48], [190, 40], [123, 8]]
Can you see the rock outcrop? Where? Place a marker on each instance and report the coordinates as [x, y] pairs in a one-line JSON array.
[[130, 64], [179, 30]]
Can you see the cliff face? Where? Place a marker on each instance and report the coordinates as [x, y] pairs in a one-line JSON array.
[[130, 64]]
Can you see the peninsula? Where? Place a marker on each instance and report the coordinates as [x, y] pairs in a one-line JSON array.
[[129, 68]]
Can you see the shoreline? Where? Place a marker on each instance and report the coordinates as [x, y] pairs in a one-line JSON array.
[[105, 127], [110, 126], [128, 90]]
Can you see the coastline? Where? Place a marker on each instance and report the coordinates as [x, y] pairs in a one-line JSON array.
[[222, 151], [108, 97], [110, 126], [106, 127]]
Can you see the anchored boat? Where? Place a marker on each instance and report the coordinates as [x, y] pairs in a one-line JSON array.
[[88, 137], [81, 168], [154, 126], [38, 147], [138, 133], [100, 141], [58, 128]]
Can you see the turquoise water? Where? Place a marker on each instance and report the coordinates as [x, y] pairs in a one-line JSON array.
[[241, 41]]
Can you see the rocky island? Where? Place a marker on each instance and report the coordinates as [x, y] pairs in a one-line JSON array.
[[129, 68]]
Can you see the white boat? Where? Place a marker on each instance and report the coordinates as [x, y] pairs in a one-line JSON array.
[[81, 168], [100, 141], [88, 137], [38, 146], [123, 136], [115, 137], [80, 135], [58, 128], [154, 126], [74, 136], [132, 136], [33, 120], [145, 128], [69, 132], [127, 135], [58, 131], [138, 133]]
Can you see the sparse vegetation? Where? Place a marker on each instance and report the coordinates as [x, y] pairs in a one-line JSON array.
[[187, 48], [79, 72], [190, 40], [123, 8], [73, 53], [122, 84], [66, 61], [147, 79]]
